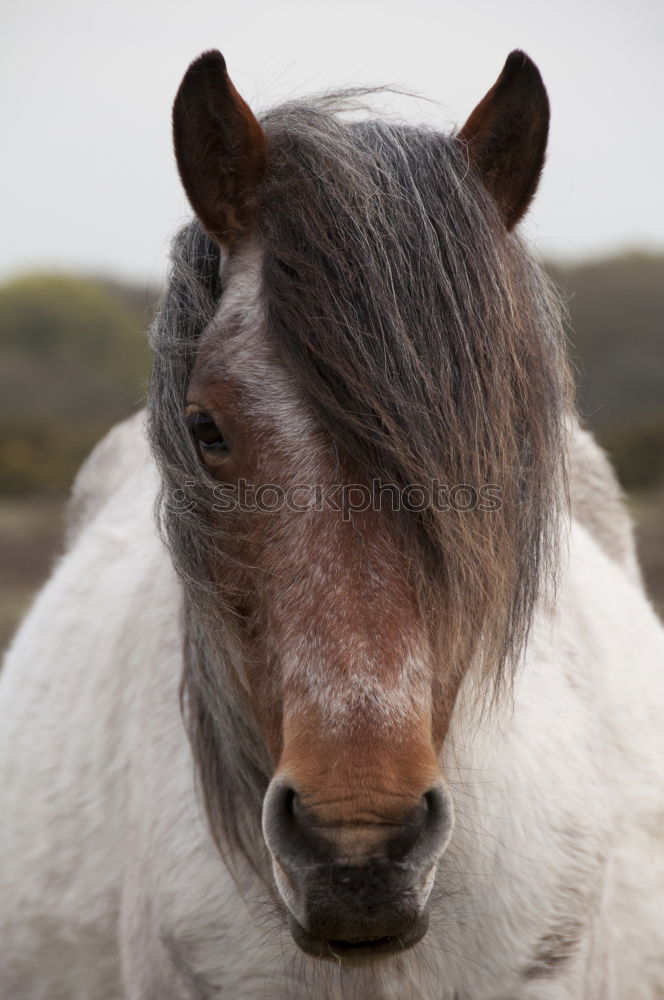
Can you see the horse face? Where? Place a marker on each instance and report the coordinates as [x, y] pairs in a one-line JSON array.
[[339, 662], [339, 657]]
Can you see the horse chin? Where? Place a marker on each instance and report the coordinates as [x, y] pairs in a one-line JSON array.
[[358, 952]]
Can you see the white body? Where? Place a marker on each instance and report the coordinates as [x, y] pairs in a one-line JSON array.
[[110, 887]]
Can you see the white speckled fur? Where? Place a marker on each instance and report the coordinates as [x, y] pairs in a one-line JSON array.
[[247, 353]]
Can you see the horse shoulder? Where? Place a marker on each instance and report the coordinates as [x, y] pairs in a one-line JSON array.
[[624, 655], [123, 454], [598, 502], [558, 803], [100, 645]]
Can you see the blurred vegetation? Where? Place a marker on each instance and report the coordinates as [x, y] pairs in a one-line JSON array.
[[73, 360], [616, 309]]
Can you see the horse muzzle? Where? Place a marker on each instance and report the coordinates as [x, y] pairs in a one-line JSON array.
[[355, 894]]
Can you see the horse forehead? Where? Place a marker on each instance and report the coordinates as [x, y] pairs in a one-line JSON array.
[[242, 288], [236, 347]]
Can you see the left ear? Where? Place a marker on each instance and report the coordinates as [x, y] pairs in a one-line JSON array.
[[220, 150], [506, 136]]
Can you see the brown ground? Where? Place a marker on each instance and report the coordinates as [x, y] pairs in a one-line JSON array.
[[31, 537]]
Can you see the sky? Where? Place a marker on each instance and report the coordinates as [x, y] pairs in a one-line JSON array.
[[89, 182]]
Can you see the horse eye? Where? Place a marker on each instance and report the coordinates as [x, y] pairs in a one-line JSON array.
[[207, 435]]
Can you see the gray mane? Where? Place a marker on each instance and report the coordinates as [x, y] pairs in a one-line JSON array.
[[430, 345]]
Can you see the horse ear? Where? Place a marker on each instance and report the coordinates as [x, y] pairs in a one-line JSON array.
[[506, 136], [220, 149]]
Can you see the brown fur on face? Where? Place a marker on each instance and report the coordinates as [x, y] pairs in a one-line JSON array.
[[334, 641]]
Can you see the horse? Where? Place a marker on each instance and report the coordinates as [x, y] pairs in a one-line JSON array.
[[347, 684]]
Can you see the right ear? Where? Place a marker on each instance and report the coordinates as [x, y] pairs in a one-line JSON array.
[[506, 136], [220, 150]]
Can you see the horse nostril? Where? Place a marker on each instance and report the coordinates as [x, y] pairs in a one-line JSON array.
[[425, 834], [284, 823], [435, 803], [437, 823], [289, 803]]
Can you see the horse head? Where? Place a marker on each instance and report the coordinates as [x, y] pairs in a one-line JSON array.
[[362, 333]]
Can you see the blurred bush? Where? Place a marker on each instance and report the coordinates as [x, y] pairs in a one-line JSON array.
[[74, 359], [637, 451], [616, 309]]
